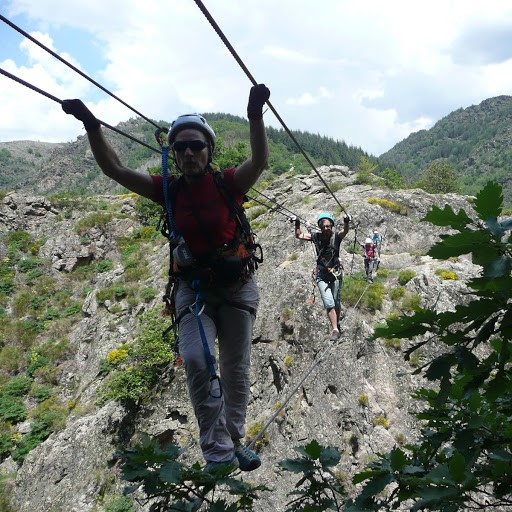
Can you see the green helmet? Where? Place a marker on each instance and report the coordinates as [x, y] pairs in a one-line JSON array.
[[324, 215], [195, 121]]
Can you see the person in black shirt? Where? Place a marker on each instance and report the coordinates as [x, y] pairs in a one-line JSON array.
[[329, 271]]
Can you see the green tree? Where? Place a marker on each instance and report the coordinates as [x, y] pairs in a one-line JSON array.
[[462, 459], [392, 179], [439, 178]]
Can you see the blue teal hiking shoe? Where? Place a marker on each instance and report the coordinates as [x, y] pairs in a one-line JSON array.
[[247, 459], [222, 468]]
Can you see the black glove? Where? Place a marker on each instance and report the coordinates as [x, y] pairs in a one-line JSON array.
[[347, 219], [82, 113], [297, 224], [257, 97]]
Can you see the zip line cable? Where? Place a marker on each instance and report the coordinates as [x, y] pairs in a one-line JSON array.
[[54, 98], [318, 359], [270, 106], [279, 206], [64, 61]]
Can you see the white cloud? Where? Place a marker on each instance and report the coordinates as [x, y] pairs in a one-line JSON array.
[[368, 72]]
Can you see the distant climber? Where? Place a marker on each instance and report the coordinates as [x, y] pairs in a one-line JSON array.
[[371, 258], [377, 239], [329, 270]]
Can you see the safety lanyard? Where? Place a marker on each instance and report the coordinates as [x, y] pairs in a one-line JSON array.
[[197, 309]]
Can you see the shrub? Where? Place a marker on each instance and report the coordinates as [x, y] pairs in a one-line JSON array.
[[363, 399], [104, 266], [404, 276], [105, 294], [397, 293], [39, 431], [41, 392], [446, 274], [382, 421], [119, 504], [36, 361], [255, 212], [142, 368], [19, 241], [98, 219], [374, 296], [288, 361], [148, 294], [253, 431], [7, 286], [11, 358], [389, 205], [286, 315], [411, 302], [117, 356], [394, 343], [383, 272]]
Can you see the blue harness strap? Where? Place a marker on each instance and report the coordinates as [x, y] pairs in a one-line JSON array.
[[196, 309], [161, 137]]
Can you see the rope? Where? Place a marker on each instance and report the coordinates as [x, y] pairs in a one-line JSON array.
[[51, 52], [270, 106], [318, 359], [54, 98]]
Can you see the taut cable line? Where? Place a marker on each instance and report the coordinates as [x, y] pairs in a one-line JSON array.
[[270, 106], [64, 61], [278, 205], [318, 359], [57, 100]]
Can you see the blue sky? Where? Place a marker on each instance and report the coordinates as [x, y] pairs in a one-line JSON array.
[[368, 73]]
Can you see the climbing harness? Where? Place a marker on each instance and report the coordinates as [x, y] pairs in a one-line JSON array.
[[234, 262]]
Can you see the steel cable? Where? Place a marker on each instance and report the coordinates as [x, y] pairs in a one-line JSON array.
[[64, 61]]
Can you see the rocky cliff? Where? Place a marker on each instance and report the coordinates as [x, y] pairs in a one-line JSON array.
[[352, 385]]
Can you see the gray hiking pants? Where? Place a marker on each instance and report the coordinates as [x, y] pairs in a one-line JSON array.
[[221, 420]]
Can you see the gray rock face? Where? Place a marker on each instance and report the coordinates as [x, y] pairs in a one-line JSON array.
[[353, 394]]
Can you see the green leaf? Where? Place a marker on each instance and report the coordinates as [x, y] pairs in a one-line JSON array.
[[458, 244], [498, 266], [171, 472], [376, 485], [313, 449], [329, 456], [494, 227], [297, 465], [457, 467], [364, 475], [447, 217], [438, 475], [398, 459], [440, 367], [489, 201]]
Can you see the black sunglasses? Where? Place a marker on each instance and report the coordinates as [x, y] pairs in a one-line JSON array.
[[194, 145]]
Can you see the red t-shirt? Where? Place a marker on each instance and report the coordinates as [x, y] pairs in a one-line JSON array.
[[370, 250], [200, 207]]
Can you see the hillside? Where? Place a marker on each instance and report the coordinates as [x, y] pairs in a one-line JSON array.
[[80, 304], [49, 169], [477, 141]]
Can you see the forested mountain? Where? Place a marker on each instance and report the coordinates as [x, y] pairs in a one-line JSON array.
[[46, 168], [476, 141]]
